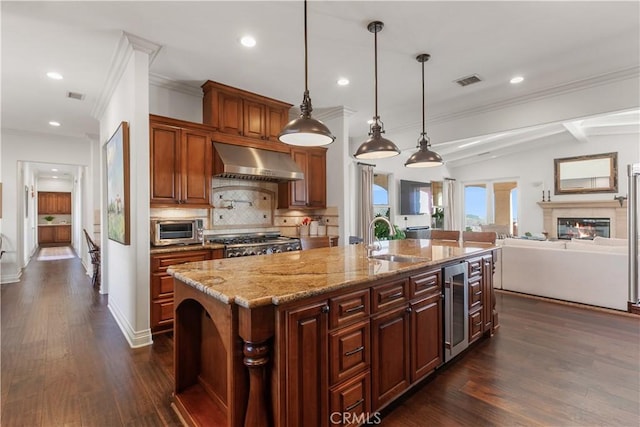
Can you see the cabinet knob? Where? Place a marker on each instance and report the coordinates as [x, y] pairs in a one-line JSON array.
[[408, 309], [324, 309]]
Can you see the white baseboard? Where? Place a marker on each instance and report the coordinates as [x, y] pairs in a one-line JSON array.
[[11, 278], [134, 338]]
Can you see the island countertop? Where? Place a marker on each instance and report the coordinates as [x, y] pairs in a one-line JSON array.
[[286, 277]]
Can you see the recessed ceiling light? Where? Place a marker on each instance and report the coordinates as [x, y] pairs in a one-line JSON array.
[[53, 75], [342, 81], [516, 80], [54, 177], [54, 170], [370, 121], [248, 41], [54, 123]]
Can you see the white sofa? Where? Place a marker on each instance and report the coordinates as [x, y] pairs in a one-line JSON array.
[[588, 272]]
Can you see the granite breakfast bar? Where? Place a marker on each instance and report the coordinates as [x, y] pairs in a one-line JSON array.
[[319, 337]]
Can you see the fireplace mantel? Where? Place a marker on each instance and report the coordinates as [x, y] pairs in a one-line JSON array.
[[611, 209]]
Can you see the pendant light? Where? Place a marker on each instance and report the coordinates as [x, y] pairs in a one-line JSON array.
[[376, 147], [424, 157], [306, 131]]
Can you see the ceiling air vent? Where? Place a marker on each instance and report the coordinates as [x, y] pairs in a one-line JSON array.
[[469, 80], [75, 95]]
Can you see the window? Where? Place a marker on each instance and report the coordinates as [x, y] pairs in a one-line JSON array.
[[493, 203], [475, 206], [381, 195]]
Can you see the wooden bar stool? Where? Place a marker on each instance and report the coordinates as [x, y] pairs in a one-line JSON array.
[[479, 236], [453, 235]]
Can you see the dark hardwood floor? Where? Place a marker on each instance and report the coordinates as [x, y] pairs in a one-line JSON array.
[[65, 362]]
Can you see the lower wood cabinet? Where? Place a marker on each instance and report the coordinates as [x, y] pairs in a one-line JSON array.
[[54, 235], [391, 364], [306, 376], [162, 284], [350, 355]]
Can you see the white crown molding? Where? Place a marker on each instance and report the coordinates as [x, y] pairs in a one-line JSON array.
[[333, 112], [175, 85], [127, 44], [589, 82]]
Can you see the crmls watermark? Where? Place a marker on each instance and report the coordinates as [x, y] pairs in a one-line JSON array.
[[344, 418]]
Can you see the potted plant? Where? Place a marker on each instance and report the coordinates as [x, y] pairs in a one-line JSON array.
[[438, 216], [49, 218]]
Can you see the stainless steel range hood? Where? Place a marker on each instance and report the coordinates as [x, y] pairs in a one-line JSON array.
[[255, 164]]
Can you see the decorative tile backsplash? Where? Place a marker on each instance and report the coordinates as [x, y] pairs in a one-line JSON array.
[[235, 205]]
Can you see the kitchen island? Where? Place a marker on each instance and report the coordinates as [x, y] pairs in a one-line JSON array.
[[320, 337]]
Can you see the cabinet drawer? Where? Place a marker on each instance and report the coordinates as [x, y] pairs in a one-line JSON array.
[[389, 295], [161, 262], [349, 351], [475, 325], [161, 286], [162, 312], [425, 283], [352, 397], [475, 267], [349, 308], [475, 293]]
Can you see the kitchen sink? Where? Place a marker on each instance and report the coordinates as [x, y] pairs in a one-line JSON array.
[[398, 258]]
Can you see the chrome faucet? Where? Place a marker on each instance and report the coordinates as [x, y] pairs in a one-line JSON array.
[[374, 245]]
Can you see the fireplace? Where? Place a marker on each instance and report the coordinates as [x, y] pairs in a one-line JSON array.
[[583, 228]]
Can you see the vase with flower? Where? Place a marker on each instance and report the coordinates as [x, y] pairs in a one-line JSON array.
[[304, 226]]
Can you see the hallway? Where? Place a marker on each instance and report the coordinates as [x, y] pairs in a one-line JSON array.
[[65, 362]]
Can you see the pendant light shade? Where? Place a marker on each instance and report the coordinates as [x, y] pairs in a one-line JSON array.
[[376, 147], [306, 131], [424, 157]]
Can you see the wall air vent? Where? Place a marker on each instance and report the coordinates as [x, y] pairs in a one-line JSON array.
[[75, 95], [469, 80]]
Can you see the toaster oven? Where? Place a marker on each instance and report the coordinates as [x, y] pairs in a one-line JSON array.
[[176, 231]]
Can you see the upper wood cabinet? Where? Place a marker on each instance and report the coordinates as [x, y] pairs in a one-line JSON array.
[[181, 162], [237, 112], [50, 202], [311, 192]]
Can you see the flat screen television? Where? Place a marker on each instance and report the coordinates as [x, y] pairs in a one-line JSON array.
[[415, 198]]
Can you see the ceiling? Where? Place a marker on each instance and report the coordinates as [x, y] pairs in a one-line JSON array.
[[550, 44]]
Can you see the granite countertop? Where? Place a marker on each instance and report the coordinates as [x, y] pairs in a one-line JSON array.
[[286, 277], [184, 248]]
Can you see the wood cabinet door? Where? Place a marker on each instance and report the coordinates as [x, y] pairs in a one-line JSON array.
[[255, 123], [164, 144], [195, 171], [426, 336], [276, 120], [62, 233], [46, 203], [316, 178], [488, 292], [298, 189], [306, 371], [230, 113], [390, 356], [63, 203], [46, 234]]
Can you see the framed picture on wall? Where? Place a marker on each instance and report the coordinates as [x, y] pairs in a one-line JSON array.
[[118, 207]]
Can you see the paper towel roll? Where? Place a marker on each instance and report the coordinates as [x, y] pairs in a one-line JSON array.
[[313, 228]]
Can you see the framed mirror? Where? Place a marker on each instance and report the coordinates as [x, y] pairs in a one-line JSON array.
[[596, 173]]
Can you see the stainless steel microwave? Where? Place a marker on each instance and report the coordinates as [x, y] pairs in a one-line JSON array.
[[176, 231]]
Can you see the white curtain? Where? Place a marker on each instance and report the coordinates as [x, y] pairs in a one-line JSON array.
[[366, 200], [451, 208]]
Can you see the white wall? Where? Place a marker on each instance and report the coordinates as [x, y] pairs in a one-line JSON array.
[[531, 168], [125, 268], [176, 101], [19, 147]]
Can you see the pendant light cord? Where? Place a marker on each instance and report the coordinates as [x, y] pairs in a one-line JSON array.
[[306, 87], [375, 56], [423, 107]]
